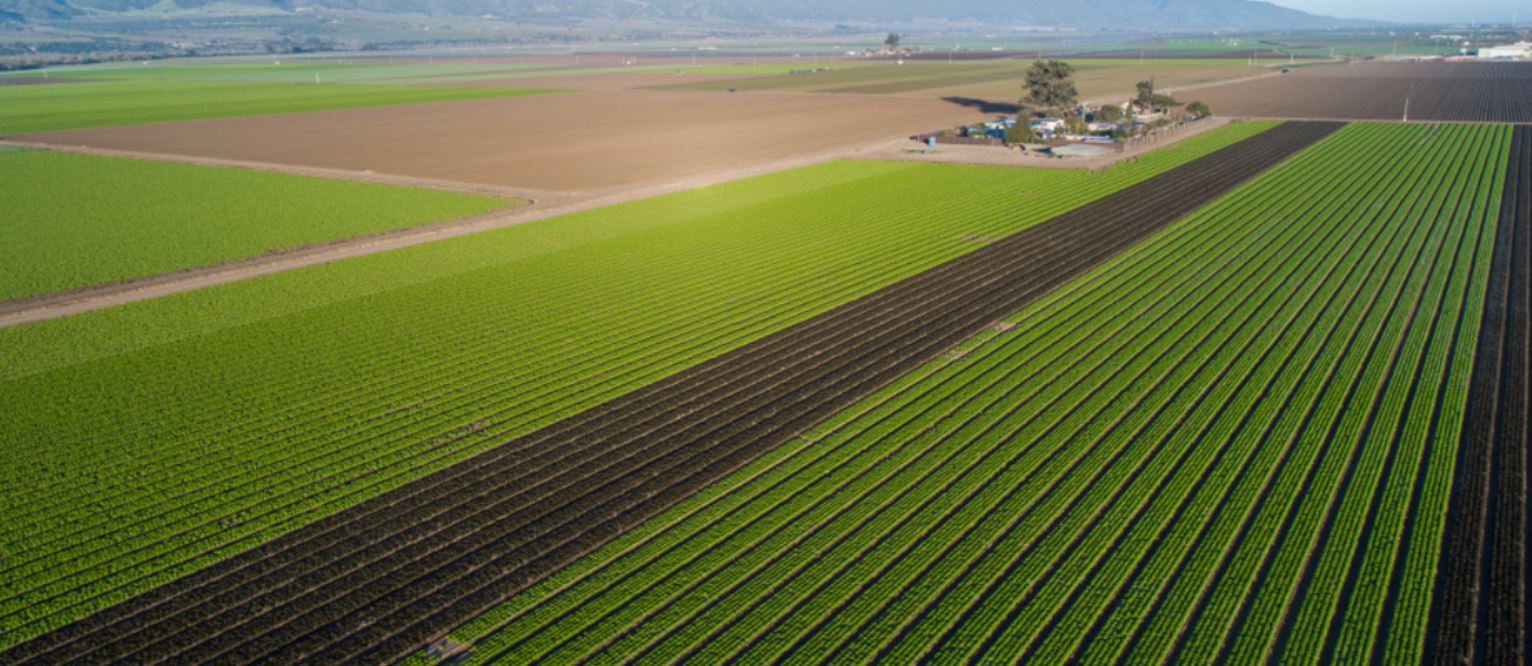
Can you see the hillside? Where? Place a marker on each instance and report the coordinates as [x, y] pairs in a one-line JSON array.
[[1145, 14]]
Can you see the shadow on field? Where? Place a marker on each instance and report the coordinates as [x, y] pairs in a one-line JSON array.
[[984, 105]]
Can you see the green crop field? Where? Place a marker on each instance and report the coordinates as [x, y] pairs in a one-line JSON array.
[[1234, 441], [80, 220], [277, 71], [42, 108], [228, 415], [408, 72]]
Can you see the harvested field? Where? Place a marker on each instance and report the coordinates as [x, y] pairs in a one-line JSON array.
[[1115, 82], [997, 81], [1481, 600], [564, 142], [366, 585], [603, 81], [1439, 91]]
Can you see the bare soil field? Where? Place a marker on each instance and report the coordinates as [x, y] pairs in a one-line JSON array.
[[603, 81], [1439, 91], [1113, 83], [994, 81], [558, 143]]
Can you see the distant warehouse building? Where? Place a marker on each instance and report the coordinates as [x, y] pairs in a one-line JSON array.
[[1517, 51]]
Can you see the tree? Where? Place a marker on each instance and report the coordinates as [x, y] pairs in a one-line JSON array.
[[1145, 97], [1021, 132], [1108, 114], [891, 42], [1049, 86], [1199, 109]]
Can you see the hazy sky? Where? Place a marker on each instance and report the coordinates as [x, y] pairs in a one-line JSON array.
[[1495, 11]]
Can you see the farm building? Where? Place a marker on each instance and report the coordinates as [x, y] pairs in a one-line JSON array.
[[1049, 124], [1517, 51]]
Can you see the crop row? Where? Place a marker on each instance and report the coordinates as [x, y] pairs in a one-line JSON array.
[[1226, 438], [1481, 599], [139, 467], [86, 220], [1483, 92], [368, 585]]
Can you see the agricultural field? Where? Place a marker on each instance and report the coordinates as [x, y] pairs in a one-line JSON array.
[[276, 70], [1321, 44], [231, 415], [38, 108], [75, 221], [418, 71], [365, 586], [1424, 91], [1234, 441], [753, 379], [1482, 610], [993, 80], [560, 143]]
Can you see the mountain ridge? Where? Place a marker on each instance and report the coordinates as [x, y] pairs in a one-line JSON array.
[[1143, 14]]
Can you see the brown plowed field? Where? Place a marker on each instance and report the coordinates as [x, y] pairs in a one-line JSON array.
[[375, 582], [1481, 601], [618, 81], [564, 142], [1443, 91]]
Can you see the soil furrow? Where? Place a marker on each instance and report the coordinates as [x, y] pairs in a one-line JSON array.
[[1480, 603]]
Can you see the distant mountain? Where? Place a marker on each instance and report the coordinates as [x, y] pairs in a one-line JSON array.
[[1144, 14], [37, 9]]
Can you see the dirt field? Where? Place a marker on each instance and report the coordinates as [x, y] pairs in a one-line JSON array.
[[559, 143], [994, 81], [1113, 83], [617, 81], [1493, 92]]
